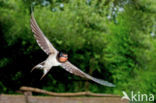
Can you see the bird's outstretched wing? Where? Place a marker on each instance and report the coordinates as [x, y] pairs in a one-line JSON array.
[[76, 71], [41, 39]]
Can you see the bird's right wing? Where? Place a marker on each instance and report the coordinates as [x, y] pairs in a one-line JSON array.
[[76, 71], [41, 39]]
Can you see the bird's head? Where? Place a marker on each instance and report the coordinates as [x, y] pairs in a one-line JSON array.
[[62, 57]]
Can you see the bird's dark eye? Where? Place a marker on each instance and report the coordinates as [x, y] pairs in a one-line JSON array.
[[65, 56]]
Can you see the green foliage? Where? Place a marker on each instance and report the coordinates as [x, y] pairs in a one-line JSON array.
[[120, 50], [128, 52], [3, 88]]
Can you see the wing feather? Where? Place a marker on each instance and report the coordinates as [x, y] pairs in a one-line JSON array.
[[41, 39], [76, 71]]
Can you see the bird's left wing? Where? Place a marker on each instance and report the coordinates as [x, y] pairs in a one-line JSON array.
[[41, 39], [76, 71]]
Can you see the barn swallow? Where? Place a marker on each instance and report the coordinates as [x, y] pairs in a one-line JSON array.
[[56, 58]]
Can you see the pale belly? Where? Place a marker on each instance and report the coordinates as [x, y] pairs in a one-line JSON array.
[[51, 61]]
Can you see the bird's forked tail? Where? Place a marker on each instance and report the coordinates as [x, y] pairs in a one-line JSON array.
[[42, 67]]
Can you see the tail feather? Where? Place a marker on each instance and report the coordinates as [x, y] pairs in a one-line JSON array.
[[41, 66], [38, 66], [44, 72]]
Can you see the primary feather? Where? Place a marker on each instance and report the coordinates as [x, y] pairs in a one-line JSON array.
[[42, 41], [76, 71]]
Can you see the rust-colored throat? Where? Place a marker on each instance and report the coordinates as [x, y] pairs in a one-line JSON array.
[[62, 57]]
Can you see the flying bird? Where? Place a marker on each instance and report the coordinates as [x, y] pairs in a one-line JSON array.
[[56, 58]]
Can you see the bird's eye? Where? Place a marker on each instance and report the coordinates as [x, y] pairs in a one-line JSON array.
[[65, 56]]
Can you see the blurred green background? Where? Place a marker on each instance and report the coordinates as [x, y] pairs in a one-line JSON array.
[[110, 39]]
